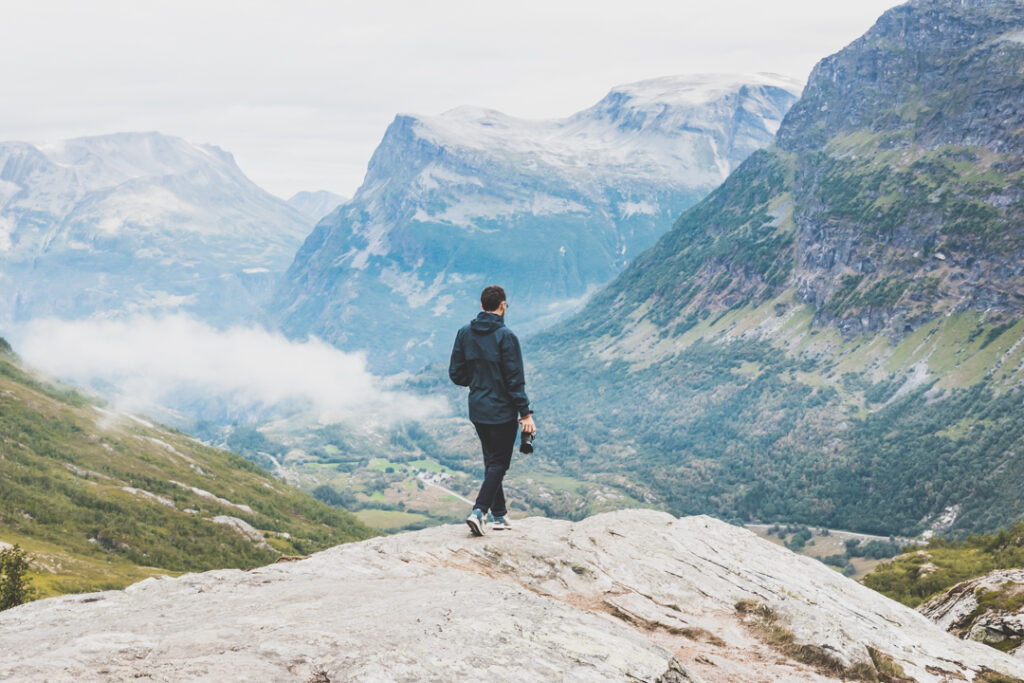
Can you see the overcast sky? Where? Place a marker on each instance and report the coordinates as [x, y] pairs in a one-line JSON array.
[[301, 91]]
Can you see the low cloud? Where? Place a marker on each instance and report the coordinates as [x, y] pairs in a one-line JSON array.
[[180, 363]]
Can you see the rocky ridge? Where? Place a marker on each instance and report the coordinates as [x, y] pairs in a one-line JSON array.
[[635, 595]]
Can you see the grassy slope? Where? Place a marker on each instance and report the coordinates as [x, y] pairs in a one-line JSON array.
[[729, 397], [66, 465], [916, 576], [833, 336]]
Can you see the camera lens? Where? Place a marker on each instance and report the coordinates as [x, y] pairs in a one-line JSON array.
[[526, 442]]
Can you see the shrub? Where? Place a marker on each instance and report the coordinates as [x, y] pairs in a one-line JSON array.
[[14, 584]]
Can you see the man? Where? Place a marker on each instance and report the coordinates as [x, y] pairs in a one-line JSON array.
[[487, 359]]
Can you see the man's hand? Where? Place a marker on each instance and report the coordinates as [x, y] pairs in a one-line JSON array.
[[527, 423]]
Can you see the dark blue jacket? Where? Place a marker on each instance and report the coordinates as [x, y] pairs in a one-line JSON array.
[[487, 359]]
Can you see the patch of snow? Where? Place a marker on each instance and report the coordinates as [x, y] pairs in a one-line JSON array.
[[465, 212], [442, 304], [627, 209], [407, 285], [8, 190], [546, 205], [160, 301], [152, 207], [433, 176], [376, 236], [6, 230], [1013, 37]]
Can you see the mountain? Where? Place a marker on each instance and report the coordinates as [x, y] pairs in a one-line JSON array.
[[632, 595], [834, 336], [315, 205], [136, 222], [550, 208], [100, 499]]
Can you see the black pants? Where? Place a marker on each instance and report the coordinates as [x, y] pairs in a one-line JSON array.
[[497, 442]]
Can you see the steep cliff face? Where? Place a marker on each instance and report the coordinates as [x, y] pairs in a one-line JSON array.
[[909, 158], [834, 334], [894, 195], [632, 595], [550, 209]]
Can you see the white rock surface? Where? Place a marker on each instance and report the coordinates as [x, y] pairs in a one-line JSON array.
[[243, 528], [630, 595], [957, 610]]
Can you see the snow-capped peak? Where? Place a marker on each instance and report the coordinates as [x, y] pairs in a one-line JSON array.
[[111, 159], [654, 129], [697, 89]]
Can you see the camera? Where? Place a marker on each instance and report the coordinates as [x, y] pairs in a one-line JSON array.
[[526, 442]]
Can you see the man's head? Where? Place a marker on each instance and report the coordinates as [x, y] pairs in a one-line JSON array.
[[492, 300]]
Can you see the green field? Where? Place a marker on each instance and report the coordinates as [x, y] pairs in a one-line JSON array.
[[387, 520]]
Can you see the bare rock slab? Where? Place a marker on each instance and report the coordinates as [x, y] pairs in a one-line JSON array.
[[624, 596]]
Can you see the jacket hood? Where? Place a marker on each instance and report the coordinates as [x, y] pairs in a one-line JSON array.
[[486, 323]]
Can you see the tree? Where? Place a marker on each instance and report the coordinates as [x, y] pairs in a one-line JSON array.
[[14, 584]]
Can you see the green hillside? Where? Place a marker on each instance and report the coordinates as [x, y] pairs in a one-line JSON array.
[[929, 570], [834, 335], [101, 499]]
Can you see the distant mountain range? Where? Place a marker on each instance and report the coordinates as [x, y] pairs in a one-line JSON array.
[[315, 205], [835, 335], [137, 222], [551, 209]]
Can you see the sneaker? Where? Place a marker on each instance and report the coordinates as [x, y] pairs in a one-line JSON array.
[[500, 523], [476, 522]]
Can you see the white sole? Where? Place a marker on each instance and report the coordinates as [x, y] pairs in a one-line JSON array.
[[475, 526]]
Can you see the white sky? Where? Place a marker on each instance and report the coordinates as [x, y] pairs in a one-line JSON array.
[[302, 91]]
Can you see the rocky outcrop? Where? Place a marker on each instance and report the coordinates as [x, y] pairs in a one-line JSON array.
[[936, 69], [989, 609], [631, 595]]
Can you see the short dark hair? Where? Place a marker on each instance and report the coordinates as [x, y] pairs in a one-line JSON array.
[[491, 297]]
